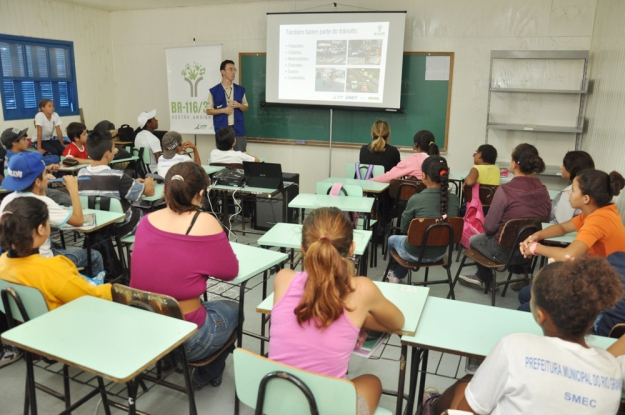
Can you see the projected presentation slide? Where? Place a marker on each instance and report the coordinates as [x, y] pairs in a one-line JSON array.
[[322, 60], [335, 59]]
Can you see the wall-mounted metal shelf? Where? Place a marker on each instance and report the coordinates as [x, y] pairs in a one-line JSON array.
[[535, 128], [541, 91]]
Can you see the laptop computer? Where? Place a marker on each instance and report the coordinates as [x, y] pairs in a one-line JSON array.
[[265, 175]]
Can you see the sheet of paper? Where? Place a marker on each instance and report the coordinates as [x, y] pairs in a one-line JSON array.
[[437, 68]]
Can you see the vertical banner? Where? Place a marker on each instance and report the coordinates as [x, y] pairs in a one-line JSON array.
[[191, 72]]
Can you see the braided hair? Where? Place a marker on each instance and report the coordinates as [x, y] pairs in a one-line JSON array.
[[435, 167]]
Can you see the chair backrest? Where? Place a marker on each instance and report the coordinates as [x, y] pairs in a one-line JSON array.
[[281, 397], [402, 189], [231, 165], [17, 296], [517, 230], [617, 331], [109, 204], [158, 303], [435, 232], [350, 170], [487, 193], [347, 189]]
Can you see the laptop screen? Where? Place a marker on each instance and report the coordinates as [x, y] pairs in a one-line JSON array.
[[265, 175]]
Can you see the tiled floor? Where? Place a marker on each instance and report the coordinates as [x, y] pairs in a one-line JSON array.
[[160, 400]]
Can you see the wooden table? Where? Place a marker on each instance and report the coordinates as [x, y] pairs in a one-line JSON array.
[[110, 340]]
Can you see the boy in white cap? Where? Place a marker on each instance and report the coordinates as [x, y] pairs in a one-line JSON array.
[[145, 138], [174, 152]]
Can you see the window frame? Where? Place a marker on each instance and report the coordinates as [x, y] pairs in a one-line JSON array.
[[21, 112]]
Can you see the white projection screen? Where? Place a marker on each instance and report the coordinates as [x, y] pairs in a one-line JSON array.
[[335, 59]]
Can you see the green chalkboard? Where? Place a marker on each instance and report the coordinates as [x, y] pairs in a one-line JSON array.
[[426, 107]]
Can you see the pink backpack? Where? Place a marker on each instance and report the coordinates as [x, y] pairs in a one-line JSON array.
[[334, 191], [473, 218]]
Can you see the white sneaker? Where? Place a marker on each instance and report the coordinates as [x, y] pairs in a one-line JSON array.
[[9, 355]]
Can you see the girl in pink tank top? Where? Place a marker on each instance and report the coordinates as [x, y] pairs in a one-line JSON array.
[[317, 314]]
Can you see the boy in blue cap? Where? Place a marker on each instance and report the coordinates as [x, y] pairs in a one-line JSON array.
[[27, 177]]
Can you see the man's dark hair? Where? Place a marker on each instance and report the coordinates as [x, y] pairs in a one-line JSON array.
[[98, 143], [224, 139], [222, 67], [75, 129]]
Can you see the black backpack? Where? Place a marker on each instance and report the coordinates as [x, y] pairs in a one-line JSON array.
[[126, 133]]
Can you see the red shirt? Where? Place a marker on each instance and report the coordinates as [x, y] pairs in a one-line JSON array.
[[73, 150]]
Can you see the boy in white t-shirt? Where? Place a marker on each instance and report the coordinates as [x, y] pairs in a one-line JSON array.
[[146, 139], [557, 373], [172, 147], [47, 122], [224, 153]]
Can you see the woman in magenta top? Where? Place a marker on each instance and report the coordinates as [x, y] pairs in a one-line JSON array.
[[317, 314], [176, 248], [411, 166]]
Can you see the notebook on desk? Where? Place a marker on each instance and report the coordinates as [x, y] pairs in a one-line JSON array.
[[265, 175]]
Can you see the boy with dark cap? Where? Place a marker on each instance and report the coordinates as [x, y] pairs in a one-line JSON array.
[[174, 152], [27, 177], [14, 140]]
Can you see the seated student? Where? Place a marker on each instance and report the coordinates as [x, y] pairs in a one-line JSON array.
[[106, 126], [572, 164], [179, 232], [523, 197], [379, 151], [25, 227], [15, 142], [433, 202], [172, 149], [27, 178], [47, 122], [600, 230], [112, 183], [484, 170], [146, 139], [318, 313], [77, 148], [225, 153], [531, 374], [411, 166]]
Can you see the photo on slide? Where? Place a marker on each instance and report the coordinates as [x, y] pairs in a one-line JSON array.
[[363, 80], [331, 52], [330, 80], [364, 52]]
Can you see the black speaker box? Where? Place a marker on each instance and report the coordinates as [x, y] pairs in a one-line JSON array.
[[269, 209]]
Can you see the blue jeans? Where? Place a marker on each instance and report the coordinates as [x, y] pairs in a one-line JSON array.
[[525, 295], [79, 258], [396, 242], [222, 319]]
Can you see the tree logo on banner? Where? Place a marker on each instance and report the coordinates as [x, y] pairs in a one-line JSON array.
[[193, 75]]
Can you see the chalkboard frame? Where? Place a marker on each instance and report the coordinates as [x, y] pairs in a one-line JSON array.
[[356, 145]]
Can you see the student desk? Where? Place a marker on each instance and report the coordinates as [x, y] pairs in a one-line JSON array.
[[102, 220], [212, 169], [410, 300], [465, 329], [109, 340], [565, 239], [289, 236], [126, 160], [159, 194], [346, 203], [72, 169]]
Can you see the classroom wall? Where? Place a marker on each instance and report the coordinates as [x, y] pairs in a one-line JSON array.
[[471, 29], [90, 30], [606, 124]]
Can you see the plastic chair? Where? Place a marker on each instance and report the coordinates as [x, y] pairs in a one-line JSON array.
[[167, 306], [428, 233], [350, 170], [350, 190], [23, 303], [513, 233], [274, 388], [617, 331]]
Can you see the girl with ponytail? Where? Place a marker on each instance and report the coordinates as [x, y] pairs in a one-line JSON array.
[[318, 313], [433, 202], [379, 151], [176, 248], [24, 227], [424, 147]]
